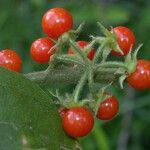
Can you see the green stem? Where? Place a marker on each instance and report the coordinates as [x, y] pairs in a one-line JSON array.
[[69, 59], [98, 52], [78, 30], [67, 75], [106, 70], [62, 75], [112, 64], [105, 31], [79, 51], [90, 80], [79, 87], [88, 48], [99, 100], [53, 62], [101, 97]]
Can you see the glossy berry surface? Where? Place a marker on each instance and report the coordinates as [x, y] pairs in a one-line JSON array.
[[11, 60], [56, 21], [41, 50], [83, 44], [140, 78], [125, 38], [108, 108], [78, 122]]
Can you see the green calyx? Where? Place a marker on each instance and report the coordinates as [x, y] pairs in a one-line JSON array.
[[72, 34], [130, 63], [111, 39], [131, 60]]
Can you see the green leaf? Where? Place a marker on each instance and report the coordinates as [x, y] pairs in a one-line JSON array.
[[28, 118]]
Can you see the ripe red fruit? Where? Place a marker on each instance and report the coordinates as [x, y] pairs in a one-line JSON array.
[[11, 60], [78, 122], [108, 108], [41, 50], [140, 78], [126, 40], [56, 21], [83, 44]]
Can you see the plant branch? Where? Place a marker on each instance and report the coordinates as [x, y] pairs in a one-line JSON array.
[[79, 86], [67, 75]]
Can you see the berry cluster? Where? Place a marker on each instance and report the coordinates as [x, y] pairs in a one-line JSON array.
[[78, 121], [61, 48]]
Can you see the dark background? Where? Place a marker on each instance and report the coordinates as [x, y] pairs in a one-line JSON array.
[[20, 25]]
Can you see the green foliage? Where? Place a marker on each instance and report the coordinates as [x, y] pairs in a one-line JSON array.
[[20, 25], [28, 118]]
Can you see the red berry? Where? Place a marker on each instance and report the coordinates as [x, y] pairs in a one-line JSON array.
[[91, 54], [140, 78], [126, 40], [78, 122], [56, 21], [41, 50], [83, 44], [11, 60], [108, 108]]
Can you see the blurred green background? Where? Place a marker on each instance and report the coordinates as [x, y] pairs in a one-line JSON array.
[[20, 25]]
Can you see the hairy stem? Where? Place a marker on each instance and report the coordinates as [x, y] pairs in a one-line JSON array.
[[66, 76], [56, 76], [112, 64], [80, 86]]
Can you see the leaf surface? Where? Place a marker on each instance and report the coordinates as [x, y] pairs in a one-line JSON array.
[[28, 118]]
